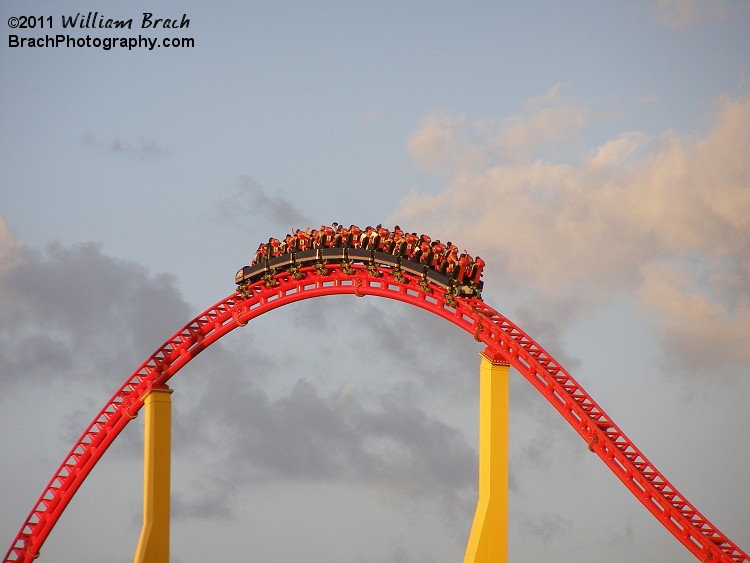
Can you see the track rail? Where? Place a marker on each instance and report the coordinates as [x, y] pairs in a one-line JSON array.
[[504, 341]]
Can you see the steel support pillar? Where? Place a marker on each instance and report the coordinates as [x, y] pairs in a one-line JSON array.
[[153, 547], [488, 541]]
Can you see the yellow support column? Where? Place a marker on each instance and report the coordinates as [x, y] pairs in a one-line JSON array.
[[153, 546], [488, 541]]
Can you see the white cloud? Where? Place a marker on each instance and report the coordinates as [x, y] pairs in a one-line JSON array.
[[578, 233], [446, 142], [682, 14], [698, 331], [436, 140]]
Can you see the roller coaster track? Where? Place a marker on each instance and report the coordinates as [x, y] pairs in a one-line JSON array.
[[504, 341]]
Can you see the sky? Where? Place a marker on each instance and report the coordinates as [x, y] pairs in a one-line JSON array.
[[594, 154]]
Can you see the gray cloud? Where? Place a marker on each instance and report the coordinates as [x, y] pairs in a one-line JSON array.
[[81, 317], [213, 501], [73, 312], [250, 200], [382, 443], [298, 399], [545, 528], [142, 150], [544, 330], [88, 319]]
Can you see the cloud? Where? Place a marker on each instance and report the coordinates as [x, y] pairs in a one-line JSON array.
[[76, 312], [141, 149], [382, 442], [683, 14], [409, 336], [436, 139], [86, 319], [444, 142], [698, 332], [249, 199], [573, 235], [9, 247], [207, 501], [307, 401], [545, 528]]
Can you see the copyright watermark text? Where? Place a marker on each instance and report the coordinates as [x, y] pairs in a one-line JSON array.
[[103, 32]]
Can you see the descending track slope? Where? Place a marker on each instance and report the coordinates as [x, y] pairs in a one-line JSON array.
[[504, 341]]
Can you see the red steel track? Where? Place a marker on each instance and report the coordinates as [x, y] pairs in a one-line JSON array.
[[504, 341]]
